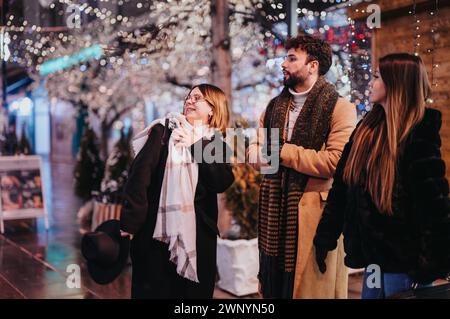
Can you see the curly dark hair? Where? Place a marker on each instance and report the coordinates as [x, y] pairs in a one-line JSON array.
[[317, 49]]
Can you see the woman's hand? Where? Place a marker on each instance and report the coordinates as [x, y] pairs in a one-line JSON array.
[[186, 137], [125, 234], [321, 255]]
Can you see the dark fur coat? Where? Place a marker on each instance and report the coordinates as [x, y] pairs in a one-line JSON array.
[[416, 238]]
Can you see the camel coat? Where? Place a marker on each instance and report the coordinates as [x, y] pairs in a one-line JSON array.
[[320, 166]]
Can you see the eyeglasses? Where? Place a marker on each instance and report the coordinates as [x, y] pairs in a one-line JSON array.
[[195, 98]]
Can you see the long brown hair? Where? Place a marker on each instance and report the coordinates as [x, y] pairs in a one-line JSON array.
[[377, 143]]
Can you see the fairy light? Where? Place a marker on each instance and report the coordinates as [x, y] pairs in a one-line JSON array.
[[433, 33], [44, 44], [416, 25], [358, 70], [349, 46]]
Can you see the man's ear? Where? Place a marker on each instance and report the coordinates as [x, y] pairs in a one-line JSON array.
[[314, 66]]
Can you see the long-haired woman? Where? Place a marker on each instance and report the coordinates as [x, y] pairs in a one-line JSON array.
[[390, 194], [170, 207]]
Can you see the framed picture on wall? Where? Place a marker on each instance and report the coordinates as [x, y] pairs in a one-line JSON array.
[[21, 189]]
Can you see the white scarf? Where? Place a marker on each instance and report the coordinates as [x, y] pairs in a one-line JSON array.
[[175, 221]]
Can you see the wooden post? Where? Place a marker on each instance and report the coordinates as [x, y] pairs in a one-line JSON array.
[[221, 55], [221, 76]]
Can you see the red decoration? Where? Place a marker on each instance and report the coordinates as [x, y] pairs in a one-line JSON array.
[[330, 35]]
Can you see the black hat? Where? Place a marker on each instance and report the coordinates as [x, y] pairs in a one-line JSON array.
[[106, 251]]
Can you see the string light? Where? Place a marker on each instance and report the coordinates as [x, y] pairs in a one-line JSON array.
[[350, 45], [433, 33], [416, 25], [55, 46], [359, 71], [105, 15]]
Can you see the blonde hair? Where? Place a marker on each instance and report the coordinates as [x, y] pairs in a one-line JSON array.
[[378, 142], [217, 99]]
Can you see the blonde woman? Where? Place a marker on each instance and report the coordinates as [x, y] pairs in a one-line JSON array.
[[170, 208], [390, 194]]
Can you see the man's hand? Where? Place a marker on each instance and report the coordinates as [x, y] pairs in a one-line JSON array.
[[260, 290]]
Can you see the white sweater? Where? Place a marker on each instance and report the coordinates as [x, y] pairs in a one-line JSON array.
[[298, 101]]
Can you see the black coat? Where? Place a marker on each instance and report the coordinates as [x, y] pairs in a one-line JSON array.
[[153, 275], [416, 238]]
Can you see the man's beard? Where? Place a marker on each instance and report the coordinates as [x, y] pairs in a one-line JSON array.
[[292, 81]]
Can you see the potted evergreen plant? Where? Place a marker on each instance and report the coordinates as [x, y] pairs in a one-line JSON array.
[[108, 203], [88, 174]]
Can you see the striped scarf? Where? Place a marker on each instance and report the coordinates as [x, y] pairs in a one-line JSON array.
[[280, 193]]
